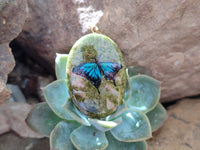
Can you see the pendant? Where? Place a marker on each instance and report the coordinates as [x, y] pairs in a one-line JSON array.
[[96, 75]]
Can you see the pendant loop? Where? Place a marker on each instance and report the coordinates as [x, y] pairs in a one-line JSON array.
[[95, 29]]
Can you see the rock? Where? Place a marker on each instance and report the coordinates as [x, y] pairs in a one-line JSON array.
[[4, 126], [29, 84], [4, 92], [10, 141], [17, 95], [49, 28], [16, 113], [182, 129], [12, 19], [162, 36], [6, 60], [7, 63]]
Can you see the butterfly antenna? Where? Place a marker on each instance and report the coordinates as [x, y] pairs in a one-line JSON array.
[[114, 83], [98, 90]]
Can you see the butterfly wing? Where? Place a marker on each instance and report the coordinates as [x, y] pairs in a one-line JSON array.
[[90, 71], [110, 69]]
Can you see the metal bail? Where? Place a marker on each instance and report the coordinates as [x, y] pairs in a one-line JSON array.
[[95, 29]]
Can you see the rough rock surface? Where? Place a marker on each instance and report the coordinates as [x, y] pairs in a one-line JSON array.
[[182, 129], [160, 35], [6, 60], [10, 141], [4, 92], [4, 126], [15, 114], [12, 19], [17, 95], [7, 63]]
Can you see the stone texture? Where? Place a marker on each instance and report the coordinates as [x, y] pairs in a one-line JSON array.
[[4, 126], [15, 114], [6, 60], [160, 35], [17, 95], [7, 63], [51, 26], [11, 141], [182, 129], [4, 92], [12, 19]]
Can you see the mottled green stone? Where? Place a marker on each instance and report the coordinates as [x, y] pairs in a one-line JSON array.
[[84, 95]]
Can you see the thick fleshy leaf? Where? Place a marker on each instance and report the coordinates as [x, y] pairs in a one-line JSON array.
[[128, 91], [105, 125], [134, 127], [56, 93], [145, 93], [157, 117], [42, 119], [117, 145], [59, 139], [61, 62], [88, 138], [136, 70], [132, 71], [74, 113]]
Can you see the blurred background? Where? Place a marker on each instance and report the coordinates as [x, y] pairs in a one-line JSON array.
[[163, 36]]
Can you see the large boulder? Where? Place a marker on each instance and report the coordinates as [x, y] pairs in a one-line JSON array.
[[7, 64], [162, 36], [12, 18], [6, 60]]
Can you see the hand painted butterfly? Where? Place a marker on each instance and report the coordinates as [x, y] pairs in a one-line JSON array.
[[92, 71]]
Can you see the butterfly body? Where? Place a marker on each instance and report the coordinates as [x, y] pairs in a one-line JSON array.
[[94, 71]]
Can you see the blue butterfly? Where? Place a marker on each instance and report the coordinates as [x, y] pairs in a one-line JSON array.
[[92, 71]]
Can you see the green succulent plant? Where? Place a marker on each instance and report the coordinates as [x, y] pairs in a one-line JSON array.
[[127, 128]]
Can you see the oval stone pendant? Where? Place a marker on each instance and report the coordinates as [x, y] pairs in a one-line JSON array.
[[96, 75]]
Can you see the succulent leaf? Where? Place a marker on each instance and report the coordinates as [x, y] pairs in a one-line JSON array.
[[128, 126], [119, 111], [134, 127], [157, 116], [59, 138], [117, 145], [42, 119], [105, 125], [136, 70], [128, 91], [74, 113], [61, 63], [145, 93], [56, 93], [88, 138]]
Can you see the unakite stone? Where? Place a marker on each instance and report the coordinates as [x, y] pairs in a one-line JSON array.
[[96, 75]]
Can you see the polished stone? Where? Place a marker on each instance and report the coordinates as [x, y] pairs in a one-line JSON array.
[[100, 93]]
